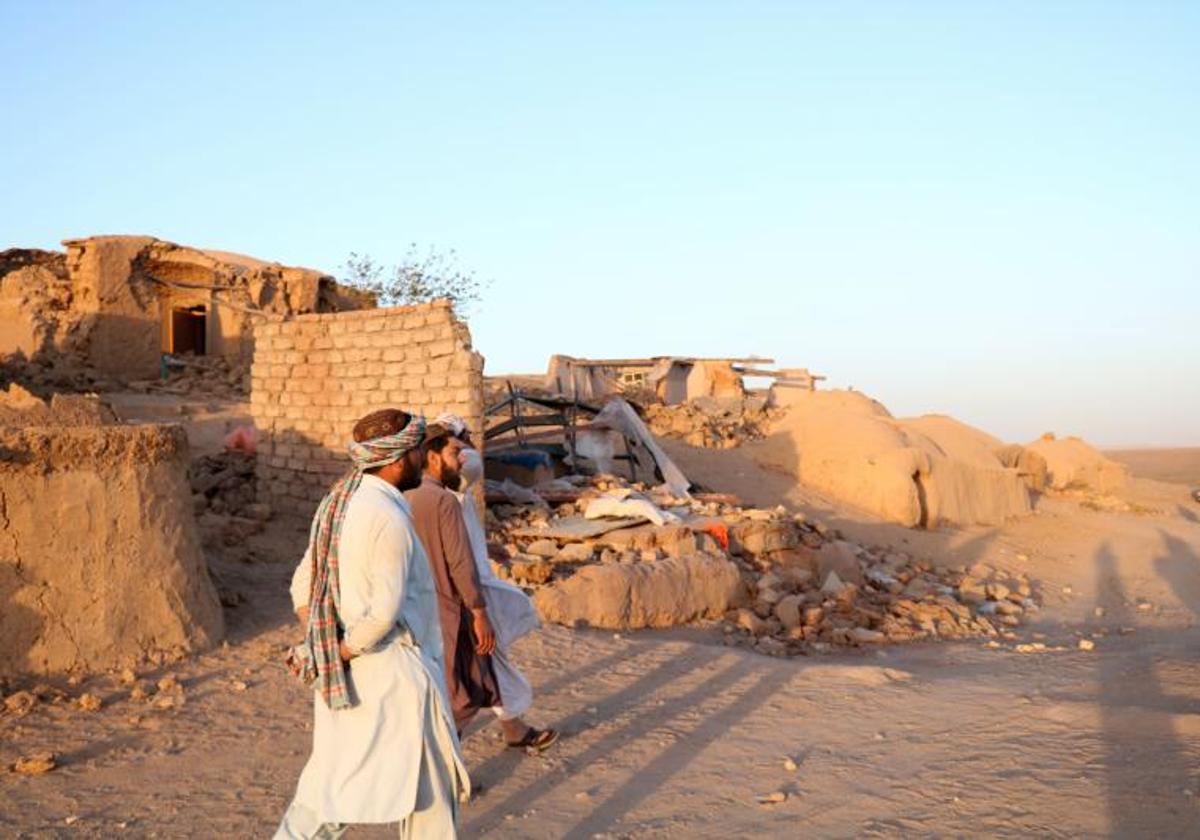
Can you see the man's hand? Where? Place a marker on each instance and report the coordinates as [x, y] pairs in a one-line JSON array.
[[485, 638], [344, 652], [302, 615]]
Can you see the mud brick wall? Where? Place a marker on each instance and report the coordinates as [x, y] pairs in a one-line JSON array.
[[315, 375]]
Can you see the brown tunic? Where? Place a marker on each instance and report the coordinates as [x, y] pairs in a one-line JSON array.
[[437, 515]]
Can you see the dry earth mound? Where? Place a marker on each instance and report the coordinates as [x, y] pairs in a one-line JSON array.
[[99, 561], [1072, 464], [926, 471]]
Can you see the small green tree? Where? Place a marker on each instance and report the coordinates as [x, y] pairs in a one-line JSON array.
[[417, 279]]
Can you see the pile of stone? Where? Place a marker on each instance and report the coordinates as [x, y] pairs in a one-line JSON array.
[[782, 584], [223, 483], [49, 374], [829, 591], [224, 499], [712, 422], [211, 376]]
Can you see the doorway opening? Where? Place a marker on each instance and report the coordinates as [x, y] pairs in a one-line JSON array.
[[189, 329]]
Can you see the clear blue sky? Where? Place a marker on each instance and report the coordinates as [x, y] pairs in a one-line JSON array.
[[989, 210]]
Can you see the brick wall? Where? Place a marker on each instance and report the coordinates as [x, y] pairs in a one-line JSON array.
[[314, 376]]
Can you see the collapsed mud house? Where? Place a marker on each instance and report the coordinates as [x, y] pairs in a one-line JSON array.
[[117, 304], [673, 380]]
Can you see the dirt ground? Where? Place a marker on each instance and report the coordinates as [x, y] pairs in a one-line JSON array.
[[1180, 465], [673, 734]]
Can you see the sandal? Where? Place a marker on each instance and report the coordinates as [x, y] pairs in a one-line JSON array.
[[535, 739]]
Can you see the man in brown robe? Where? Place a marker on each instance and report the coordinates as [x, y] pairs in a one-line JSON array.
[[466, 631]]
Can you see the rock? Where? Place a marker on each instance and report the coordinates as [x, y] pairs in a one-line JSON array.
[[542, 548], [666, 593], [141, 691], [760, 537], [531, 571], [833, 584], [997, 591], [774, 798], [884, 581], [677, 541], [20, 703], [839, 557], [169, 683], [972, 591], [35, 764], [1087, 644], [750, 622], [771, 647], [575, 553], [89, 702], [865, 636], [770, 597], [789, 764], [813, 616], [788, 610], [796, 577], [769, 581], [917, 588], [128, 676], [846, 596]]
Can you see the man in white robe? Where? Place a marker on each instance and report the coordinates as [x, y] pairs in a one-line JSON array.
[[393, 754]]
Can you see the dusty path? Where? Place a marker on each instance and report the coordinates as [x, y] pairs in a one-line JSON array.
[[672, 734]]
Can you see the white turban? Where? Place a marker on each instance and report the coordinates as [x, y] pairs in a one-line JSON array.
[[451, 423]]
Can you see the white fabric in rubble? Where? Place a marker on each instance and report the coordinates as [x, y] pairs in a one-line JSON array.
[[625, 505]]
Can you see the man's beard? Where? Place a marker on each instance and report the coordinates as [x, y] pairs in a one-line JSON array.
[[410, 477], [451, 479]]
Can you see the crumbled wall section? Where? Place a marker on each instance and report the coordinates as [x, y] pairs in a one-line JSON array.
[[315, 375], [100, 562]]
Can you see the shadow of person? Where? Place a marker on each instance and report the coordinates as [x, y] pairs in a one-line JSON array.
[[721, 722], [1145, 767], [726, 675], [1180, 568]]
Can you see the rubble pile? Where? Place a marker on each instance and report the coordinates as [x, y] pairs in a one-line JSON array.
[[49, 374], [223, 483], [799, 587], [189, 375], [846, 594], [223, 498], [712, 422]]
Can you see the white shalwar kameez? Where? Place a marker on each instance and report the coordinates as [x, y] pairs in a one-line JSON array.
[[511, 613], [394, 756]]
